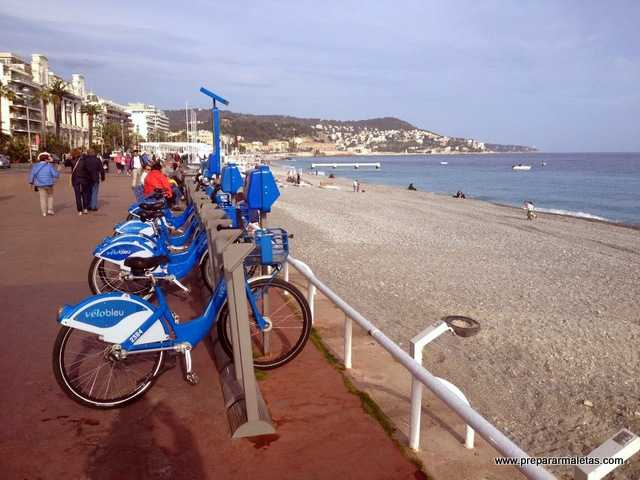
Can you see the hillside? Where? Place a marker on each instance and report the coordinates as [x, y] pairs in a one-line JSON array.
[[263, 128], [387, 134]]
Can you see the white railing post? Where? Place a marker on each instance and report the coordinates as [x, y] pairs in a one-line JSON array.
[[417, 345], [416, 402], [348, 335], [311, 296]]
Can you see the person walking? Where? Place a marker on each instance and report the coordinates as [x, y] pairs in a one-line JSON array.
[[95, 172], [355, 185], [136, 169], [531, 209], [43, 176], [81, 182], [128, 163]]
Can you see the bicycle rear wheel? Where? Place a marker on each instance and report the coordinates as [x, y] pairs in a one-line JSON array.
[[289, 315], [90, 374], [105, 276]]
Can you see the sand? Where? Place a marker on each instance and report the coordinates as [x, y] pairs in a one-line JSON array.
[[558, 299]]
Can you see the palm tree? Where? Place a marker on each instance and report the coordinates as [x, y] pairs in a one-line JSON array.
[[10, 95], [57, 92], [91, 109], [45, 98]]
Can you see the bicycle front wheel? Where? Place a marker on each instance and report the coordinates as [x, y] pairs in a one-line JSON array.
[[286, 310], [106, 276], [89, 373]]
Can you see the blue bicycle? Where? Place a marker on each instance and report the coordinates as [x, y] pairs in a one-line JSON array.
[[111, 347]]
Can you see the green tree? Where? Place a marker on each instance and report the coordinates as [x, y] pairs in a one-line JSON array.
[[18, 150], [91, 109], [57, 146], [112, 134], [10, 95], [57, 92]]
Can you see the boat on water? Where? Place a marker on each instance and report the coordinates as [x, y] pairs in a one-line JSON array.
[[444, 163], [521, 167]]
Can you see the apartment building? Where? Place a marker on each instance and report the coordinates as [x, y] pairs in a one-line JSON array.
[[22, 116], [111, 113], [26, 115], [149, 122]]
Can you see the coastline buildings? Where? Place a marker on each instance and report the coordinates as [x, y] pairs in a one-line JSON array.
[[149, 122], [27, 115]]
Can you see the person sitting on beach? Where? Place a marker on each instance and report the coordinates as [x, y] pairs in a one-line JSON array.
[[411, 187], [530, 208], [459, 194]]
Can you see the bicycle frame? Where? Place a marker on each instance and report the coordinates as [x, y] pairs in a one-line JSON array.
[[95, 315]]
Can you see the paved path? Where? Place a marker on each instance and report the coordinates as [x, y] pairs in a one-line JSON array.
[[176, 431]]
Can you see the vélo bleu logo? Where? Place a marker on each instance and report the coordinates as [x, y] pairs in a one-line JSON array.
[[108, 312]]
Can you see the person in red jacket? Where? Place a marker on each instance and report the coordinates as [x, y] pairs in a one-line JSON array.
[[156, 179]]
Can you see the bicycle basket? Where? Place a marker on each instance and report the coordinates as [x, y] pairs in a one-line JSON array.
[[272, 247]]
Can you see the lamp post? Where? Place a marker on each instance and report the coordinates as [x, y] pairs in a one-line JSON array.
[[26, 106], [122, 131]]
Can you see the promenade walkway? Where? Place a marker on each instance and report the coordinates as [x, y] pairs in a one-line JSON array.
[[176, 431]]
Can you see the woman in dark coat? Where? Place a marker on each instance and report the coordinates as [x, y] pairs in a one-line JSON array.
[[81, 181]]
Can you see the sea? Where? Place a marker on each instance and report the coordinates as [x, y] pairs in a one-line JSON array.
[[601, 186]]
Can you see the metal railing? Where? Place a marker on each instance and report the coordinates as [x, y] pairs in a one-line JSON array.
[[473, 419]]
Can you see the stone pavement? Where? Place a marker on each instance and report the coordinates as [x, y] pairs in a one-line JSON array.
[[176, 431]]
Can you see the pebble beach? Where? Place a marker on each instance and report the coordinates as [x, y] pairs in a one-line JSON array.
[[556, 363]]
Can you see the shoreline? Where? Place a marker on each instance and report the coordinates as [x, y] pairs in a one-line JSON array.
[[347, 184]]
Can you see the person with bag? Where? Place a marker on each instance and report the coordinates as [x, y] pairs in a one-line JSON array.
[[81, 182], [42, 177]]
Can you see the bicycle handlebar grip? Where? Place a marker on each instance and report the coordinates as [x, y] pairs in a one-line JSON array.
[[223, 227]]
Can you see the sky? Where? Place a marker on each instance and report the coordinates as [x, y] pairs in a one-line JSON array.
[[558, 75]]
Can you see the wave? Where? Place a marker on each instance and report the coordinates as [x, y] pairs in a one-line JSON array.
[[569, 213]]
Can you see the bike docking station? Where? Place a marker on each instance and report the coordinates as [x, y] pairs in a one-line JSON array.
[[246, 410]]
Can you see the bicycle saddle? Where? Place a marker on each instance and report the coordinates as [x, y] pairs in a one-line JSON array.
[[156, 205], [150, 215], [142, 263]]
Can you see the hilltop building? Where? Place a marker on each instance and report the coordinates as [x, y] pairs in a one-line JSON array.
[[205, 136], [148, 121]]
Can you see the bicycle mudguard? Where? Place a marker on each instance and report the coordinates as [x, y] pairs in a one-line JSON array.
[[135, 227], [118, 249], [116, 318]]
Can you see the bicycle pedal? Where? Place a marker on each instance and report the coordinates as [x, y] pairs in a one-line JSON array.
[[192, 378]]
